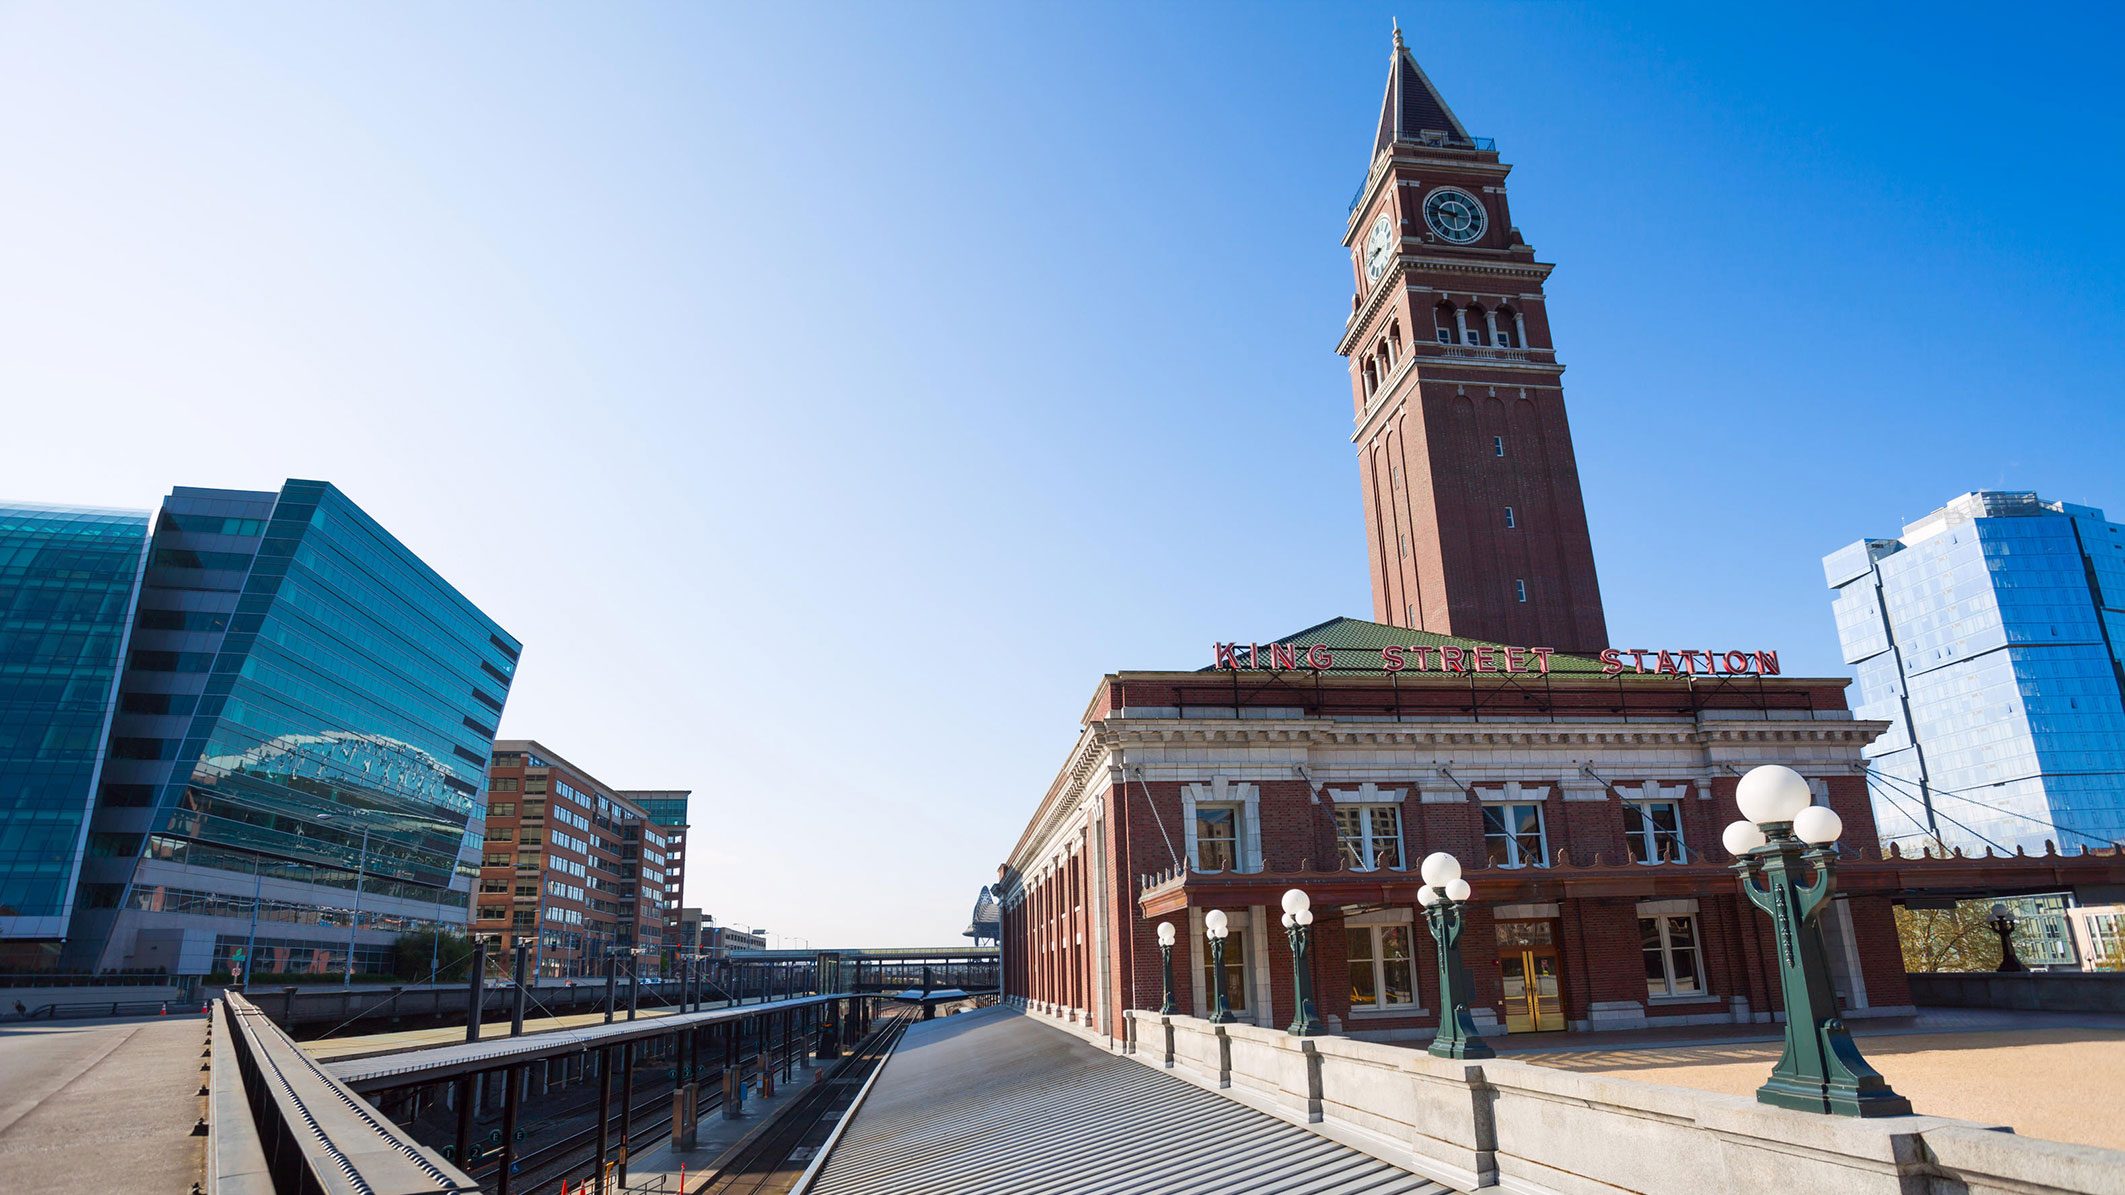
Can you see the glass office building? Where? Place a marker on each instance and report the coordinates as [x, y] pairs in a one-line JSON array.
[[68, 577], [1988, 635], [296, 769]]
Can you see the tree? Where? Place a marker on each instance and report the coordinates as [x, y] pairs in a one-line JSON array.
[[1951, 939], [448, 951]]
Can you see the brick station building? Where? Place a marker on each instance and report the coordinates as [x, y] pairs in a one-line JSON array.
[[1585, 807], [1482, 712]]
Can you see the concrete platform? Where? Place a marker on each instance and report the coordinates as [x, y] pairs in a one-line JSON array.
[[997, 1103], [102, 1105], [325, 1049]]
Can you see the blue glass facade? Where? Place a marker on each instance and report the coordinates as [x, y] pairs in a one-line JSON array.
[[297, 766], [1989, 636], [68, 578]]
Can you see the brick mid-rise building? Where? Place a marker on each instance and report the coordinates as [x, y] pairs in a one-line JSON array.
[[1585, 805], [571, 866]]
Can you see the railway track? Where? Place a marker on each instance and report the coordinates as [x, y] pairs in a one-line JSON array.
[[770, 1162]]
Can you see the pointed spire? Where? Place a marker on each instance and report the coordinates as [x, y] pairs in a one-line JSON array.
[[1412, 105]]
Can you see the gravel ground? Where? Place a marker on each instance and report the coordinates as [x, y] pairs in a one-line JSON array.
[[2060, 1084]]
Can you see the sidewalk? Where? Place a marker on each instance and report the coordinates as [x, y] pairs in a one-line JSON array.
[[1927, 1020]]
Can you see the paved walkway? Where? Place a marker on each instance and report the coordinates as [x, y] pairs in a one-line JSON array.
[[102, 1105], [2050, 1075], [996, 1103]]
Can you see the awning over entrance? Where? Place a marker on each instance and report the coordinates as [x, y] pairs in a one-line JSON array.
[[1891, 873]]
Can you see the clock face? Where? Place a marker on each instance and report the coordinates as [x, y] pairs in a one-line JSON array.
[[1454, 215], [1379, 248]]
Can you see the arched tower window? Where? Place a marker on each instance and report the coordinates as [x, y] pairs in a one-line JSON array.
[[1508, 327], [1472, 321], [1442, 317], [1372, 377], [1394, 338]]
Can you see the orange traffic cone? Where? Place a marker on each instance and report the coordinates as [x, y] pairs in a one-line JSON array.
[[165, 1009], [205, 1007]]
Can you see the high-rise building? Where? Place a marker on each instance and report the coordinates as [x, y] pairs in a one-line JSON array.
[[1989, 637], [293, 777], [1473, 518], [68, 579], [571, 865], [667, 810]]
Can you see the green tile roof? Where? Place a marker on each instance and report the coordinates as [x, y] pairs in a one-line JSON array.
[[1357, 643]]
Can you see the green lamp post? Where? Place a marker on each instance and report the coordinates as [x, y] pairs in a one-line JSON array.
[[1785, 836], [1298, 927], [1216, 925], [1444, 896], [1166, 935]]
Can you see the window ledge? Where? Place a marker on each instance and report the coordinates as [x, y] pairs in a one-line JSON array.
[[1388, 1013], [1684, 998]]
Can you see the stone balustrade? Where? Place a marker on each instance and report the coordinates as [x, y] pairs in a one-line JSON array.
[[1534, 1130]]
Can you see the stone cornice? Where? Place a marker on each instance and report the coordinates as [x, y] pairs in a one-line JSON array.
[[1106, 737], [1402, 271]]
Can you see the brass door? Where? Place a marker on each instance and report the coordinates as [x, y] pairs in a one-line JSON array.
[[1527, 962]]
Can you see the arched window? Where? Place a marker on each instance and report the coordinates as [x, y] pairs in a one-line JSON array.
[[1394, 338], [1472, 325], [1442, 317], [1508, 328], [1372, 377]]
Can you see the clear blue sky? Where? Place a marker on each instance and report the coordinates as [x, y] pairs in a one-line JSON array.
[[829, 396]]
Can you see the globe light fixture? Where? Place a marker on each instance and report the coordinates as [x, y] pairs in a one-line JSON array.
[[1772, 794], [1215, 926], [1742, 837], [1440, 869], [1818, 825], [1298, 922], [1166, 937], [1786, 858], [2003, 922], [1442, 895]]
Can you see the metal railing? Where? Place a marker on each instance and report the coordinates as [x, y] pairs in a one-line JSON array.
[[279, 1122]]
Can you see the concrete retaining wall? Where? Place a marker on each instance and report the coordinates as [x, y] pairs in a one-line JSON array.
[[2047, 991], [1531, 1130]]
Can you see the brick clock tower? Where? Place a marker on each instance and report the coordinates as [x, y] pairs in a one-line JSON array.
[[1473, 517]]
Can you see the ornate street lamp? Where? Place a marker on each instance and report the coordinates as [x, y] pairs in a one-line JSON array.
[[1444, 896], [1785, 834], [1215, 926], [1298, 926], [1166, 935], [2003, 922]]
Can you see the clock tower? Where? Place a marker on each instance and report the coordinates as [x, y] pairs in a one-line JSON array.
[[1474, 522]]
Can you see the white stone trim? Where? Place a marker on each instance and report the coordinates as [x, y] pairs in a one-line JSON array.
[[1681, 906], [1537, 911], [1512, 792], [1224, 791], [1367, 793]]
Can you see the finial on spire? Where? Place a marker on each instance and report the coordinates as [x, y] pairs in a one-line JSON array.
[[1398, 31]]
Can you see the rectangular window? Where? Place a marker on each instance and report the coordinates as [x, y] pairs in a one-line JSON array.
[[1369, 836], [1510, 521], [1520, 591], [1235, 973], [1446, 336], [534, 784], [1514, 835], [1497, 445], [505, 809], [503, 784], [1670, 955], [1380, 970], [1217, 837], [1654, 831]]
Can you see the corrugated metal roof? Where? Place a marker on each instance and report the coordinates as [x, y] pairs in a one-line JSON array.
[[996, 1103]]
